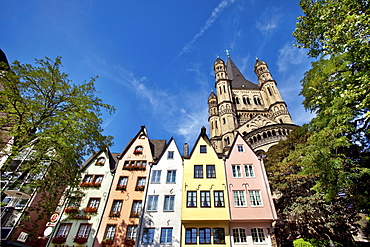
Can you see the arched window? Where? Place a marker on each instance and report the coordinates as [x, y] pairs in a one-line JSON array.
[[244, 101], [268, 89], [248, 101], [138, 150], [255, 101], [237, 100], [224, 89], [264, 135], [259, 101]]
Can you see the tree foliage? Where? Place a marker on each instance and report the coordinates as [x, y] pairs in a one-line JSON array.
[[337, 89], [322, 170], [304, 212], [52, 120]]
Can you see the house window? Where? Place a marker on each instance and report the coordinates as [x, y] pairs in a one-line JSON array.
[[74, 202], [171, 176], [88, 179], [140, 185], [169, 202], [249, 172], [224, 120], [211, 171], [237, 173], [94, 202], [239, 198], [255, 198], [205, 199], [219, 199], [100, 161], [134, 165], [136, 209], [98, 178], [240, 148], [138, 150], [166, 235], [110, 231], [218, 235], [122, 183], [203, 149], [239, 235], [204, 235], [84, 231], [257, 235], [131, 232], [64, 230], [148, 236], [170, 155], [198, 171], [156, 177], [191, 199], [190, 236], [152, 203], [116, 208]]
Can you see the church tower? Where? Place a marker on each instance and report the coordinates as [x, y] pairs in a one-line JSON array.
[[256, 111]]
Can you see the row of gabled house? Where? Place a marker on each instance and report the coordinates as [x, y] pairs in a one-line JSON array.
[[151, 195]]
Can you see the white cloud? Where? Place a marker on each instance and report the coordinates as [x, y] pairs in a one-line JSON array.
[[215, 14], [289, 55], [268, 25]]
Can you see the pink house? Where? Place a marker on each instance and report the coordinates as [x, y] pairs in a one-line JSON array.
[[252, 210]]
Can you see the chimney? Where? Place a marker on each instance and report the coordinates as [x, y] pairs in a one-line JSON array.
[[186, 149]]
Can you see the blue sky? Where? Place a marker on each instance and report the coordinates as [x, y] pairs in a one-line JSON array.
[[154, 59]]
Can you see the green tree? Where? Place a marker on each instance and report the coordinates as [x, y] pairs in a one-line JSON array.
[[336, 88], [57, 121], [302, 211]]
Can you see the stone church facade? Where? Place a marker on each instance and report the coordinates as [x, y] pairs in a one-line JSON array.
[[256, 111]]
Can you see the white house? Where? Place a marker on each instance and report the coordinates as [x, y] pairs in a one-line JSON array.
[[161, 221]]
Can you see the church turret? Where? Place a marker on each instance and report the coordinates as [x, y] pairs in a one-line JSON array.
[[213, 118], [255, 110], [226, 110]]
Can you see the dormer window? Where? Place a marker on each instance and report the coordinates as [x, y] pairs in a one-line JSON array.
[[138, 150], [100, 161]]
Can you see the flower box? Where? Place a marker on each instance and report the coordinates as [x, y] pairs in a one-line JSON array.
[[121, 187], [90, 210], [91, 184], [140, 188], [71, 210], [80, 240], [107, 241], [129, 242], [80, 217], [137, 152], [134, 215], [114, 214], [134, 168], [58, 240]]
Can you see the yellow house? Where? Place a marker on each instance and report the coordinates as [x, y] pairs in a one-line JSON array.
[[205, 213]]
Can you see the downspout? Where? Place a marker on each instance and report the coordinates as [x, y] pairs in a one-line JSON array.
[[228, 197], [138, 236]]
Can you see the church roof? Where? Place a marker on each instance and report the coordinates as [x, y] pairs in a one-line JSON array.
[[258, 62], [237, 78], [212, 95]]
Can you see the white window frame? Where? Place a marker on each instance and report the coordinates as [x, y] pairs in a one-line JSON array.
[[240, 148], [169, 203], [239, 198], [240, 235], [152, 203], [249, 171], [258, 235], [255, 198], [171, 177], [237, 171], [156, 177]]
